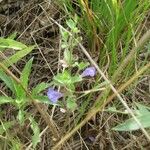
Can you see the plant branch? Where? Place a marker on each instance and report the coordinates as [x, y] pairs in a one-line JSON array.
[[128, 58], [41, 109], [94, 111]]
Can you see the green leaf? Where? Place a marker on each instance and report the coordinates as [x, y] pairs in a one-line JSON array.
[[4, 99], [68, 57], [40, 87], [63, 78], [76, 79], [25, 73], [114, 110], [36, 132], [71, 103], [5, 126], [21, 103], [17, 56], [24, 78], [70, 87], [10, 43], [64, 45], [43, 99], [131, 124], [141, 109], [21, 117], [7, 80], [19, 92], [71, 24], [64, 34], [13, 35], [81, 65]]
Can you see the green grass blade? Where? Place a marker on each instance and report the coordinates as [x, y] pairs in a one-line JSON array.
[[10, 43], [24, 78], [12, 36], [40, 87], [17, 56], [7, 80], [19, 92], [4, 99]]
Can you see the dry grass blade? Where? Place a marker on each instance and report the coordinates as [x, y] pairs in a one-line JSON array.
[[94, 111], [42, 111], [140, 43], [114, 90], [145, 37], [115, 39], [128, 58]]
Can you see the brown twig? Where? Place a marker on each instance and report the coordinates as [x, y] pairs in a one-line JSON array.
[[41, 108], [94, 111], [142, 41]]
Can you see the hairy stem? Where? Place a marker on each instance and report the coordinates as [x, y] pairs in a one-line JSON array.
[[94, 111]]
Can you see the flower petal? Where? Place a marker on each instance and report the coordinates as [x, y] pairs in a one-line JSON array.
[[90, 71], [53, 95]]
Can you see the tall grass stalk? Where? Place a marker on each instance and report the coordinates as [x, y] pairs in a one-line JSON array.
[[117, 25], [95, 110]]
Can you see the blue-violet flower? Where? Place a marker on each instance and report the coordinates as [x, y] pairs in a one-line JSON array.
[[90, 71], [53, 95]]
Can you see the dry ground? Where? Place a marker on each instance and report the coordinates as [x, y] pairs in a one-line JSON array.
[[29, 19]]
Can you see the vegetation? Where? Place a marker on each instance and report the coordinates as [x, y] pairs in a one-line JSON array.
[[84, 83]]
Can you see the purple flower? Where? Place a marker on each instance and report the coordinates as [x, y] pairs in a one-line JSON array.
[[90, 71], [53, 95], [92, 138]]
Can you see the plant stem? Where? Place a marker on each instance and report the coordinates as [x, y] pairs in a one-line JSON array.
[[94, 111], [41, 108]]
